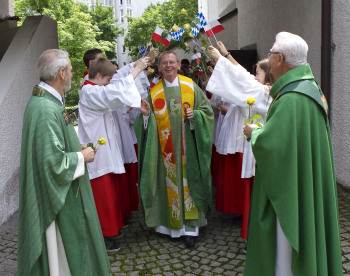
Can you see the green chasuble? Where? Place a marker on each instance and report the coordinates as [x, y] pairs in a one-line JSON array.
[[47, 193], [295, 182], [153, 188]]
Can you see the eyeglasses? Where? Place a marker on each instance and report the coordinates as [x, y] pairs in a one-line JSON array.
[[269, 53]]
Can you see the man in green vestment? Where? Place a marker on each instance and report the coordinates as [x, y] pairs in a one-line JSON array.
[[174, 132], [294, 226], [58, 229]]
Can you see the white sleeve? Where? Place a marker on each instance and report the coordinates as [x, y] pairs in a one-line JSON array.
[[111, 96], [142, 84], [235, 84], [80, 170], [122, 72]]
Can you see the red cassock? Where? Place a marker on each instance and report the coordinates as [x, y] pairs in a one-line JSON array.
[[106, 191], [233, 192]]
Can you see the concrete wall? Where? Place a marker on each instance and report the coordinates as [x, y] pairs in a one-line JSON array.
[[17, 77], [6, 8], [340, 87], [260, 20]]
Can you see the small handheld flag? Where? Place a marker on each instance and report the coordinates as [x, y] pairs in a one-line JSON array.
[[166, 41], [213, 28], [142, 51], [157, 34], [195, 31], [177, 35]]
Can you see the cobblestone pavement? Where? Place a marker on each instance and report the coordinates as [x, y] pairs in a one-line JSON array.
[[217, 251]]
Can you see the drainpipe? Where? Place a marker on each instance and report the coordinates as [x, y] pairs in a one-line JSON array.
[[326, 49]]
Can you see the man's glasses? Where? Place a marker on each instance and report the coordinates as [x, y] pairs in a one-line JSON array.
[[269, 53]]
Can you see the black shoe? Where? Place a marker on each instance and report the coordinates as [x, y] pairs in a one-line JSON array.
[[111, 245], [189, 241]]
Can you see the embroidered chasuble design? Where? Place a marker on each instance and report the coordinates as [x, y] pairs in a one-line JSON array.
[[41, 92], [167, 148]]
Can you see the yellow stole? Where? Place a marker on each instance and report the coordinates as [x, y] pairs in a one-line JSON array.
[[166, 144]]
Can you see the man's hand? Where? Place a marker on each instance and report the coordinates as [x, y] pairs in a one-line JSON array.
[[188, 112], [248, 129], [153, 54], [214, 54], [145, 107], [222, 48], [223, 109], [88, 154], [139, 66]]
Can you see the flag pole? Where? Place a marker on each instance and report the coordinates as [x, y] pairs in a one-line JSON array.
[[213, 35]]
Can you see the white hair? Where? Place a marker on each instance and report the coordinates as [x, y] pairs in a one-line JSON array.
[[292, 47], [50, 62]]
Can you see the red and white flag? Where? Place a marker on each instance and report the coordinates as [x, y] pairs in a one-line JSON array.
[[157, 35], [166, 41], [199, 72], [213, 27], [197, 57], [154, 82]]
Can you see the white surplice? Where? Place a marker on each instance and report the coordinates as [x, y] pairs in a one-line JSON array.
[[235, 84], [96, 121], [141, 80], [231, 128]]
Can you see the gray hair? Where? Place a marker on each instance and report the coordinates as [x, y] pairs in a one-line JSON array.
[[292, 47], [165, 53], [50, 62]]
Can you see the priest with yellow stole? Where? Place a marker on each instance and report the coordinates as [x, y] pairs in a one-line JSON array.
[[174, 132]]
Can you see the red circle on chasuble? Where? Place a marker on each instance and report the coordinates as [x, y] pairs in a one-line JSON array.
[[159, 104]]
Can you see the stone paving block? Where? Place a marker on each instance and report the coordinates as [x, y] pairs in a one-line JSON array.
[[144, 252], [156, 270]]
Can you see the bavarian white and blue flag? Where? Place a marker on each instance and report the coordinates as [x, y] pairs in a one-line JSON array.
[[202, 21], [143, 51], [195, 31], [177, 35]]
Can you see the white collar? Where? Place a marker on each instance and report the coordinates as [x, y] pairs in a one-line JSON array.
[[172, 84], [51, 90]]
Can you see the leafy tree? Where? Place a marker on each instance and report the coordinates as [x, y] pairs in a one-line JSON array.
[[77, 32], [164, 15], [102, 17]]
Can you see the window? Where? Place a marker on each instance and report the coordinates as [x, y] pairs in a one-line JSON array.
[[124, 63], [122, 16], [129, 12], [121, 2], [128, 2]]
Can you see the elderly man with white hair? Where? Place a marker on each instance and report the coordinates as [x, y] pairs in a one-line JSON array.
[[294, 216], [58, 229]]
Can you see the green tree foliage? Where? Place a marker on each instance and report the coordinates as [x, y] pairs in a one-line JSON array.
[[102, 17], [164, 15], [78, 31]]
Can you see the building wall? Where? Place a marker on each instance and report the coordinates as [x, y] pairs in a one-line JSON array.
[[340, 96], [260, 20], [137, 8], [6, 8], [17, 78]]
